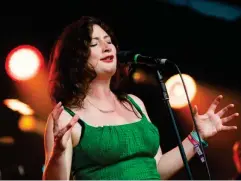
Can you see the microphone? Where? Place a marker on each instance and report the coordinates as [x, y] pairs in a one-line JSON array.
[[129, 57]]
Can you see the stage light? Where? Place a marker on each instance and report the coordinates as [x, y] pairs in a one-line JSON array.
[[23, 62], [143, 77], [18, 106], [27, 123], [137, 76], [8, 140], [176, 90]]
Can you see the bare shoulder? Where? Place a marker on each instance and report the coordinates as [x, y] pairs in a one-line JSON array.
[[65, 116], [138, 101], [141, 104], [63, 119]]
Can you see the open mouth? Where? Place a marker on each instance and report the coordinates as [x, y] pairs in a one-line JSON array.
[[107, 59]]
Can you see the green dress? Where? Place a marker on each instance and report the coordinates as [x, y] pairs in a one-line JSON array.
[[119, 152]]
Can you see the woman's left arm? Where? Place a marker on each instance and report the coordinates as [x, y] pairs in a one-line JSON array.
[[170, 163], [208, 125]]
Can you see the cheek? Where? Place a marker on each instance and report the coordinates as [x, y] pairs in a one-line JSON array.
[[113, 49], [114, 52], [93, 58]]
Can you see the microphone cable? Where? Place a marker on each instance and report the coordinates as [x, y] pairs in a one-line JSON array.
[[194, 121]]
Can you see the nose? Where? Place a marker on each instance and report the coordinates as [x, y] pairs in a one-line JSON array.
[[106, 47]]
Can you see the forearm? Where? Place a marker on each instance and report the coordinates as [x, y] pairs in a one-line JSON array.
[[56, 168], [171, 162]]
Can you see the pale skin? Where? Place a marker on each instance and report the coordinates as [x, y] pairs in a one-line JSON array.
[[62, 133]]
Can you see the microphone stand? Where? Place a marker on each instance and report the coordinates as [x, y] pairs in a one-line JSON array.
[[166, 101]]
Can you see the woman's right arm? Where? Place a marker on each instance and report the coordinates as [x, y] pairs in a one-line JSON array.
[[58, 145]]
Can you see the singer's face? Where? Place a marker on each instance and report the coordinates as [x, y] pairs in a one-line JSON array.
[[102, 53]]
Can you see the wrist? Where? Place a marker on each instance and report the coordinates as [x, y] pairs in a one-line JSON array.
[[56, 155], [194, 135], [196, 145]]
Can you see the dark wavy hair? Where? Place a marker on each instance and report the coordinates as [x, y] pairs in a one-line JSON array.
[[70, 74]]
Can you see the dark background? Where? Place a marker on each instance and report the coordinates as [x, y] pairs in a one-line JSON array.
[[205, 47]]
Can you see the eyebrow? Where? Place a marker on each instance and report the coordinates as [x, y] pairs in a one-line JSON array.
[[96, 38]]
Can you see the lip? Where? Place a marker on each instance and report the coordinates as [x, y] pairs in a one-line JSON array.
[[108, 58]]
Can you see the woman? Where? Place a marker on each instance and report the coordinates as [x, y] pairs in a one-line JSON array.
[[96, 132]]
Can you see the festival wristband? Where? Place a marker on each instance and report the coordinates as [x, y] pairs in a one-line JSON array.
[[195, 137], [197, 148]]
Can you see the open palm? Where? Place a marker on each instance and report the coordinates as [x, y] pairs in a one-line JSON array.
[[211, 123]]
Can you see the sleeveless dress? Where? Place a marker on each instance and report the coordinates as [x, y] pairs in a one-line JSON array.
[[117, 152]]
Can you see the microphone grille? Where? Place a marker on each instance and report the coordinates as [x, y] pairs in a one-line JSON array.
[[163, 60]]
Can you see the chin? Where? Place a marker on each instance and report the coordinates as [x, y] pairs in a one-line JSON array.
[[110, 72], [106, 73]]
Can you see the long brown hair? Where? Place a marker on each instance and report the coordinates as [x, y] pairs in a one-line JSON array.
[[70, 74]]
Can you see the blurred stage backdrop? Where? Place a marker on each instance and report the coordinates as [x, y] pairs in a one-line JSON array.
[[202, 37]]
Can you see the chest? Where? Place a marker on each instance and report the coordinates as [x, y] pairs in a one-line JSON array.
[[111, 144], [124, 114]]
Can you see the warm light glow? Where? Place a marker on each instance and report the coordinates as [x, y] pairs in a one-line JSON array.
[[6, 140], [137, 76], [237, 155], [140, 76], [23, 62], [27, 123], [19, 106], [176, 90], [237, 146]]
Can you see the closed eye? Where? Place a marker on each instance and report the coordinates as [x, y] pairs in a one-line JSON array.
[[93, 45]]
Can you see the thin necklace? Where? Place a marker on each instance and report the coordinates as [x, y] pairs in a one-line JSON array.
[[101, 110]]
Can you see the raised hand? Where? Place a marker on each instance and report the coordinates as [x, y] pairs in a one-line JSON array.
[[211, 123], [61, 135]]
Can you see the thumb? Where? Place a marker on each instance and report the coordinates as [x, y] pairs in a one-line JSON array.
[[195, 110]]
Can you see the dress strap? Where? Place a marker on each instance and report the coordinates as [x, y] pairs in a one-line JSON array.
[[69, 111], [73, 114], [135, 105]]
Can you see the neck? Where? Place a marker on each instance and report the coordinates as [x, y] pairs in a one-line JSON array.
[[99, 89]]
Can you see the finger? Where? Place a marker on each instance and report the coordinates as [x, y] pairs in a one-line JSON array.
[[227, 128], [195, 110], [57, 106], [68, 126], [224, 110], [61, 139], [215, 103], [68, 133], [226, 119], [56, 116], [56, 109], [58, 112]]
